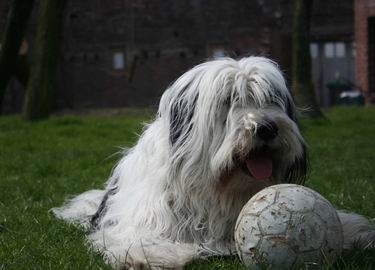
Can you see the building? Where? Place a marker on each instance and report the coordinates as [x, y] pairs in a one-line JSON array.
[[332, 49], [365, 43], [118, 53]]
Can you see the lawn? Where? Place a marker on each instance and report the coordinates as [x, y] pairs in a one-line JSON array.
[[43, 162]]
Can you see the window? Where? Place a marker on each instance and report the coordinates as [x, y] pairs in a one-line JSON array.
[[218, 53], [329, 50], [340, 49], [314, 50], [335, 49], [118, 60]]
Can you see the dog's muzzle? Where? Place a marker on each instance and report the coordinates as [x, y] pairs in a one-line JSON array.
[[259, 162]]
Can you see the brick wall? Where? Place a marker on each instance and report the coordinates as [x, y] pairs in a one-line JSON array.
[[160, 40], [363, 10]]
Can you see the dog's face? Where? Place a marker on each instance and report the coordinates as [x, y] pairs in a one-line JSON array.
[[230, 115]]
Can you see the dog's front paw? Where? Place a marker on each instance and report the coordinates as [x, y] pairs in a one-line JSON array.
[[142, 263], [147, 266]]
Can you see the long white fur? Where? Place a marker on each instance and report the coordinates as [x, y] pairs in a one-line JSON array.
[[171, 204]]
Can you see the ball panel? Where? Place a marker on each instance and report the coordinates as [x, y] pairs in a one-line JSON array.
[[332, 247], [312, 259], [276, 253], [306, 232], [248, 236], [324, 208], [259, 202], [295, 198], [274, 220]]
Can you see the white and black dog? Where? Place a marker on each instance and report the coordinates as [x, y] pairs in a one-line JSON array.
[[224, 130]]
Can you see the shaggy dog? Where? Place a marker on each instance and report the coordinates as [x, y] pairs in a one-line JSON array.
[[224, 130]]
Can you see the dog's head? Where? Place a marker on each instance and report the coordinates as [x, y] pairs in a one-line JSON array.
[[226, 114]]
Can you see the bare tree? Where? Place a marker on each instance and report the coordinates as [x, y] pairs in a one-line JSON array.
[[302, 85], [18, 17], [42, 80]]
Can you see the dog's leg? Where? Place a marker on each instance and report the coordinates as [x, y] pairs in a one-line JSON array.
[[144, 253], [160, 254], [358, 231], [165, 254], [80, 209]]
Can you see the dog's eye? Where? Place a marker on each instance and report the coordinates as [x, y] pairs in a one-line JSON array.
[[277, 102], [228, 101], [224, 113]]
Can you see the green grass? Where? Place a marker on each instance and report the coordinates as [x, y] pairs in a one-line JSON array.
[[43, 162]]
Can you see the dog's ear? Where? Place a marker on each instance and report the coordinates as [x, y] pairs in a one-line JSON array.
[[298, 171], [181, 115], [291, 109]]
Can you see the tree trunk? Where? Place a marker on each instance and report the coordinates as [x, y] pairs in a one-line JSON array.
[[42, 80], [18, 17], [302, 85]]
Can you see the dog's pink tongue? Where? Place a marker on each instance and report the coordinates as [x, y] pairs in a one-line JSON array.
[[260, 166]]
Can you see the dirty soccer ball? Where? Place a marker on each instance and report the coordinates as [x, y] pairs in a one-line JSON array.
[[287, 227]]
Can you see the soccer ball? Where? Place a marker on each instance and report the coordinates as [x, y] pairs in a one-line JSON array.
[[288, 227]]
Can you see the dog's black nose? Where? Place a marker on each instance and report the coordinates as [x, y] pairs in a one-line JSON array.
[[267, 131]]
